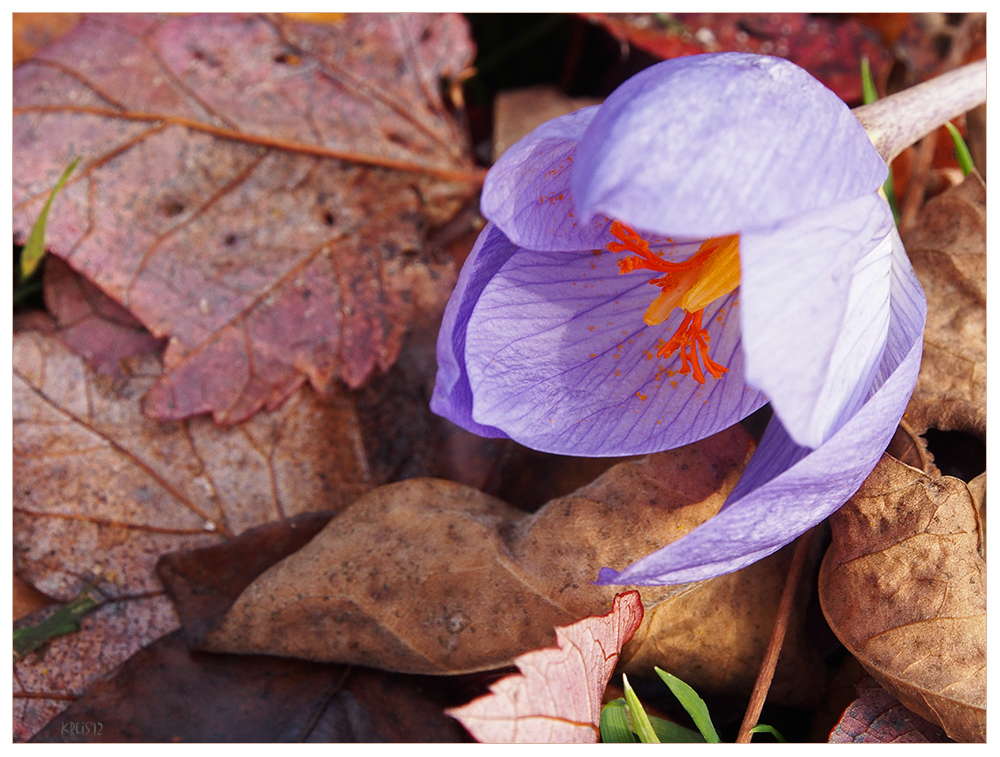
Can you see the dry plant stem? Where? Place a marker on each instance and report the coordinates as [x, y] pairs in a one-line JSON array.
[[896, 122], [918, 182], [767, 667]]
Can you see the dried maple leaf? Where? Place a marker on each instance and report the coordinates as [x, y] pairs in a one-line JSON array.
[[257, 190], [97, 483], [904, 588], [556, 699], [948, 251], [877, 717]]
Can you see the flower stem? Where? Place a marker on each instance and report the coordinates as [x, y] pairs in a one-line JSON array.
[[896, 122]]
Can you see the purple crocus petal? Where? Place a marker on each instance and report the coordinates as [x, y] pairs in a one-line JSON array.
[[815, 310], [708, 145], [559, 358], [527, 191], [786, 489], [452, 396]]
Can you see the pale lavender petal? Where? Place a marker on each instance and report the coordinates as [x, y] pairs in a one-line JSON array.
[[708, 145], [815, 309], [452, 396], [559, 358], [786, 489], [527, 191]]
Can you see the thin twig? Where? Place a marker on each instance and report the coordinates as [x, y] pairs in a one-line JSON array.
[[766, 673]]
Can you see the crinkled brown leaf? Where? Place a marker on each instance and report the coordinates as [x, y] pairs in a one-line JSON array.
[[256, 189], [33, 31], [429, 576], [95, 482], [948, 251], [877, 717], [91, 323], [904, 588], [164, 693], [50, 679], [556, 698]]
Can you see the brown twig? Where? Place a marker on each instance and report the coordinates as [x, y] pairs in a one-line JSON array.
[[766, 673]]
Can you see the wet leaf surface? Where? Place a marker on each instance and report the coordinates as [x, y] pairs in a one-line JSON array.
[[556, 699], [96, 483], [904, 588], [948, 252], [165, 693], [321, 152], [877, 717], [828, 47]]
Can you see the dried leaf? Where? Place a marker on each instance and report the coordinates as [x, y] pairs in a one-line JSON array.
[[255, 699], [91, 323], [556, 699], [828, 47], [97, 483], [877, 717], [33, 31], [517, 112], [904, 588], [948, 251], [427, 576], [47, 681], [321, 153], [715, 635]]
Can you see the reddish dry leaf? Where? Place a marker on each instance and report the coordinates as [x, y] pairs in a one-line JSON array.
[[91, 323], [877, 717], [948, 251], [557, 697], [428, 576], [904, 588], [33, 31], [164, 693], [97, 483], [829, 48], [257, 190], [48, 680]]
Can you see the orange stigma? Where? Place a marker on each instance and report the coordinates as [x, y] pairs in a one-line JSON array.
[[712, 272]]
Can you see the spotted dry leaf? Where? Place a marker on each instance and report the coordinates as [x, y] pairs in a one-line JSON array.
[[948, 251], [257, 189], [904, 588]]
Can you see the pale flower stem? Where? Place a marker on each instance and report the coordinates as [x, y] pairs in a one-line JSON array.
[[896, 122]]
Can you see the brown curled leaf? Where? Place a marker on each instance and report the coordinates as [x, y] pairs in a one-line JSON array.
[[904, 588], [556, 698], [428, 576], [256, 189], [948, 252]]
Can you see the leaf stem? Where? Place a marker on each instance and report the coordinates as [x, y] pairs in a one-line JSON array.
[[766, 673], [896, 122]]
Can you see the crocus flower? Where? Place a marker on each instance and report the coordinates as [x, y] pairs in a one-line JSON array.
[[656, 268]]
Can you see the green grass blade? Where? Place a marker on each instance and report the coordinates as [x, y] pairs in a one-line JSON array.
[[868, 90], [640, 722], [61, 622], [34, 250], [759, 728], [614, 724], [693, 703], [669, 732], [961, 150]]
